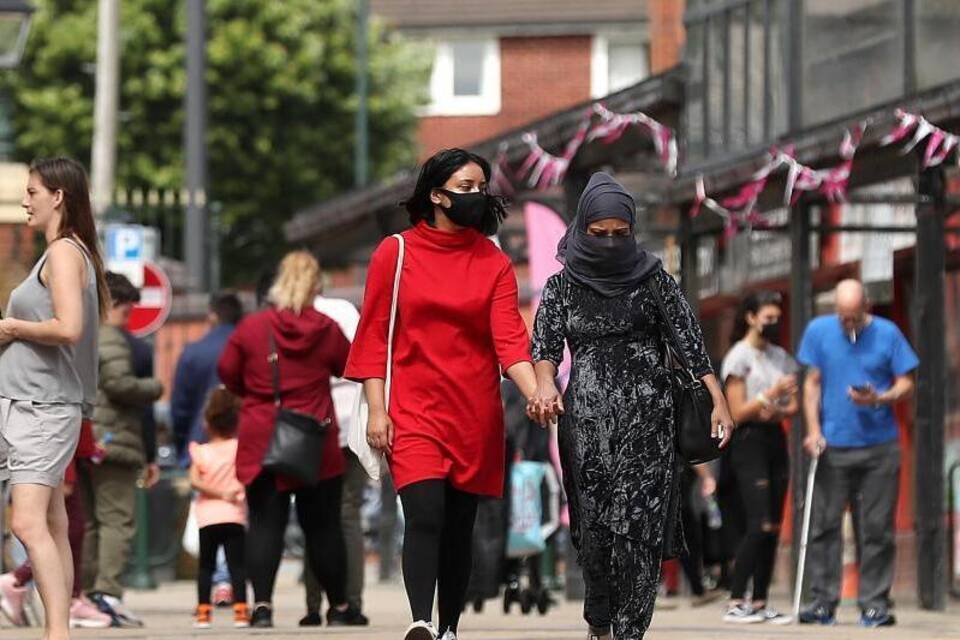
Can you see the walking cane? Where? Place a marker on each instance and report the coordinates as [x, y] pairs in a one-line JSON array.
[[801, 564]]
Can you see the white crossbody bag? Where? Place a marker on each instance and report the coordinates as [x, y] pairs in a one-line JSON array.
[[357, 438]]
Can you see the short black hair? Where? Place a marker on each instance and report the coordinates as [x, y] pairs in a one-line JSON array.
[[752, 303], [121, 289], [227, 307], [264, 282], [434, 174]]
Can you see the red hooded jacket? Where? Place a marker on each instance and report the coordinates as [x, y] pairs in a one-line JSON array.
[[311, 349]]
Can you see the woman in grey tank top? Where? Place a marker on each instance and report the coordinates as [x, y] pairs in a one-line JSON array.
[[48, 373]]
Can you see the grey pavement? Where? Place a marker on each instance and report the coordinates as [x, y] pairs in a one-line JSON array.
[[167, 613]]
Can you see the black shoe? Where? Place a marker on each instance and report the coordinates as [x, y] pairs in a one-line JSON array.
[[818, 614], [312, 619], [877, 618], [262, 617], [349, 617]]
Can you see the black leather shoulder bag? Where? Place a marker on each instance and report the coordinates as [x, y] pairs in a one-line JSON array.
[[693, 404], [296, 446]]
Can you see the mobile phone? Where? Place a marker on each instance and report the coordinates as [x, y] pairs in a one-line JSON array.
[[862, 388]]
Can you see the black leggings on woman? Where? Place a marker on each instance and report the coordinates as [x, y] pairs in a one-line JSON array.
[[231, 538], [318, 510], [437, 549], [761, 464]]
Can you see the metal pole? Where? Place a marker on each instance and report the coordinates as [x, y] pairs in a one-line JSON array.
[[362, 150], [104, 158], [929, 279], [195, 229], [801, 309]]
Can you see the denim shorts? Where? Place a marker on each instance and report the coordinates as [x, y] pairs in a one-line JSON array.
[[37, 440]]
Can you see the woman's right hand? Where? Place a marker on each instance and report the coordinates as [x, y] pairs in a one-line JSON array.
[[546, 404], [784, 387], [380, 431]]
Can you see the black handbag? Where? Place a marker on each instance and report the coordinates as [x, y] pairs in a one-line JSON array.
[[296, 446], [693, 404]]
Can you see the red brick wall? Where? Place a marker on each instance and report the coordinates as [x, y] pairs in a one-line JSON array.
[[16, 257], [667, 34], [538, 77]]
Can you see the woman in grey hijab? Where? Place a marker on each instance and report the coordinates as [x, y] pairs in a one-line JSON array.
[[616, 434]]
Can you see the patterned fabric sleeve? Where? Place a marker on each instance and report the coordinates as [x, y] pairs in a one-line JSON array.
[[686, 324], [548, 328]]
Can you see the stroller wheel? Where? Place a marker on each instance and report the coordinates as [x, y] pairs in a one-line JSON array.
[[510, 595], [544, 602], [527, 600], [478, 605]]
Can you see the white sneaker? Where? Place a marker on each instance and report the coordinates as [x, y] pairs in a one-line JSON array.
[[449, 635], [773, 616], [742, 614], [420, 630]]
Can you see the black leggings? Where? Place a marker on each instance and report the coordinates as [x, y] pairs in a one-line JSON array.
[[318, 510], [437, 549], [231, 538], [692, 558], [759, 457]]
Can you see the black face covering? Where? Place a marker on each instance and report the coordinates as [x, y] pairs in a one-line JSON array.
[[771, 332], [466, 209], [611, 266]]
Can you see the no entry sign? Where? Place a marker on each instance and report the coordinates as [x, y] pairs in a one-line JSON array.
[[156, 297]]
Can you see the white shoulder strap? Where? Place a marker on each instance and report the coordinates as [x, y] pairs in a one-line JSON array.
[[393, 317]]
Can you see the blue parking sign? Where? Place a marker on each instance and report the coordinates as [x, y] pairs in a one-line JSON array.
[[124, 242]]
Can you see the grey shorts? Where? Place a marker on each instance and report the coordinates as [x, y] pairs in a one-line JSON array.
[[37, 441]]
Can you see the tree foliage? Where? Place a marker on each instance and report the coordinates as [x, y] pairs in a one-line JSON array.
[[281, 103]]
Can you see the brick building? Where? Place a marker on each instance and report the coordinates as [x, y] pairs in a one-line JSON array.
[[16, 241], [503, 63]]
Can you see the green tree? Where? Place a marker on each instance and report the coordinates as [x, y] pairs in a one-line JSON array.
[[281, 104]]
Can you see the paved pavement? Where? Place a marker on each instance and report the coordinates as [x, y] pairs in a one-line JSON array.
[[167, 615]]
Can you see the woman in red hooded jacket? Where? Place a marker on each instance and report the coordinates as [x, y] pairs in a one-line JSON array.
[[311, 349]]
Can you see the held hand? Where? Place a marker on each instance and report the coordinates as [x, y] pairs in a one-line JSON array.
[[380, 432], [236, 496], [721, 423], [546, 404], [867, 398], [151, 475], [815, 444]]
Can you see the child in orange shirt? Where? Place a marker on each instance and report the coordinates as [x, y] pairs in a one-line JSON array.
[[220, 506]]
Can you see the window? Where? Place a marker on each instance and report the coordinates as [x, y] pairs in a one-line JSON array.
[[466, 78], [619, 61]]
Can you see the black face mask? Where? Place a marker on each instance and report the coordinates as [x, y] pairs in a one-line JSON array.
[[771, 332], [607, 255], [466, 209]]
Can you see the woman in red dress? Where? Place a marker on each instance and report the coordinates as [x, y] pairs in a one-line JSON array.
[[310, 348], [458, 328]]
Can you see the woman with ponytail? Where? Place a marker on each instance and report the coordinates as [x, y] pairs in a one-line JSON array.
[[48, 373]]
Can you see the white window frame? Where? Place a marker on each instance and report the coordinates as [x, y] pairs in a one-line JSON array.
[[600, 58], [444, 102]]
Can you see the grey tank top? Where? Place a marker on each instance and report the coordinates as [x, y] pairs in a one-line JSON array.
[[44, 373]]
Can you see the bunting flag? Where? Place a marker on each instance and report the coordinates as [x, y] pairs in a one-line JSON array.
[[500, 184], [543, 169], [940, 143], [613, 125], [739, 210]]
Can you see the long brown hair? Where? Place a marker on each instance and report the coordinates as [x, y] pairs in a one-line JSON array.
[[69, 176]]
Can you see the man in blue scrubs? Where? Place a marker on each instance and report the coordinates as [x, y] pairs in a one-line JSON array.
[[858, 367]]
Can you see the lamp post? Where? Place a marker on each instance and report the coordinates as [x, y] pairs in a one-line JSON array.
[[14, 25]]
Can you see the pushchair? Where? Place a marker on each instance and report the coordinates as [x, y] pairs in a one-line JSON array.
[[533, 485]]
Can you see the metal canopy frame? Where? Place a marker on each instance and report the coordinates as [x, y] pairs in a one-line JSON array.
[[932, 208]]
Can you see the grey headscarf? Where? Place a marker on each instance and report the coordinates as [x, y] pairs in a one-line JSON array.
[[609, 266]]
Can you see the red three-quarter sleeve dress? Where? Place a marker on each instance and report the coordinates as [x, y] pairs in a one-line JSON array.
[[458, 326]]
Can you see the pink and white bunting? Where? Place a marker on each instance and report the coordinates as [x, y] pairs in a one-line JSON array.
[[612, 126], [940, 143], [542, 169]]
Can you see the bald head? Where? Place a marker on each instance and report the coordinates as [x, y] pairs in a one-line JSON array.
[[851, 304]]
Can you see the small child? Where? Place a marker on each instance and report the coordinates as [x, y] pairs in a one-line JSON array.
[[220, 506]]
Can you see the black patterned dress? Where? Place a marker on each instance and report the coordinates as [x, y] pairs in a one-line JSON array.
[[616, 438]]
